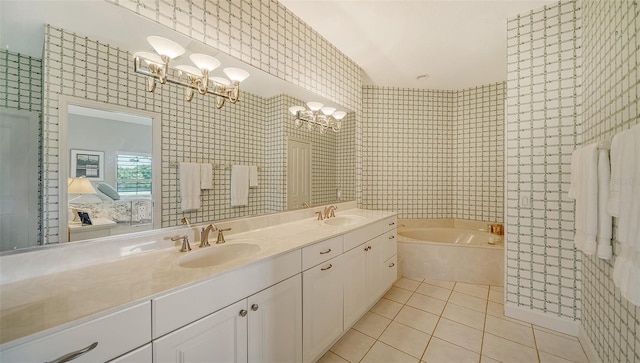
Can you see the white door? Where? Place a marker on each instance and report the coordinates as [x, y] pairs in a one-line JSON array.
[[275, 323], [298, 174], [18, 179], [323, 307], [220, 337], [355, 284]]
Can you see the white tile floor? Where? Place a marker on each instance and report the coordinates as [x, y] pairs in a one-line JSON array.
[[447, 322]]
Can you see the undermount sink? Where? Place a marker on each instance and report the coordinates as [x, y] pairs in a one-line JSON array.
[[344, 220], [218, 254]]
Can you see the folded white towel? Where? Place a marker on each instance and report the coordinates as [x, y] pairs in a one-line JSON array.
[[605, 221], [626, 186], [189, 174], [239, 185], [253, 176], [206, 176], [585, 191]]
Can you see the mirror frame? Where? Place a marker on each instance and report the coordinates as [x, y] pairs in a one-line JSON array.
[[63, 156]]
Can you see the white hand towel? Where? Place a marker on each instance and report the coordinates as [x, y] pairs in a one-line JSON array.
[[253, 176], [206, 176], [626, 187], [585, 190], [239, 185], [616, 173], [189, 174], [605, 221]]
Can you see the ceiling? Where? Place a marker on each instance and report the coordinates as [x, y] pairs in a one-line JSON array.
[[458, 44]]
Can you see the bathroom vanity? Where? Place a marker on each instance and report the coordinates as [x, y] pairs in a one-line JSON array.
[[288, 298]]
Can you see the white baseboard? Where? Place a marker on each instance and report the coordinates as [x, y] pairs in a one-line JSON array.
[[563, 325], [589, 349]]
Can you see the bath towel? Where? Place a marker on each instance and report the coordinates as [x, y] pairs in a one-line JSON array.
[[605, 221], [626, 269], [206, 176], [253, 176], [584, 188], [239, 185], [189, 185]]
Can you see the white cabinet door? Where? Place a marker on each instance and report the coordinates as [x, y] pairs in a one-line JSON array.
[[219, 337], [323, 307], [375, 285], [355, 283], [275, 323], [140, 355], [390, 271]]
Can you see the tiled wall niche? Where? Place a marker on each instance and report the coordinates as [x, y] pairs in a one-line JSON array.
[[196, 131], [611, 87], [21, 89], [434, 154], [542, 113]]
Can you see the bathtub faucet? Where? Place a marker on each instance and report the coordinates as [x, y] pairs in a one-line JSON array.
[[496, 228]]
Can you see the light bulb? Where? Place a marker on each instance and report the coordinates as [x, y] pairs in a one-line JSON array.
[[205, 62], [166, 47], [236, 74], [339, 115], [328, 110], [314, 106], [149, 58], [191, 70], [220, 80], [295, 109]]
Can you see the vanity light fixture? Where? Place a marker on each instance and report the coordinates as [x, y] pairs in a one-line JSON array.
[[156, 67], [318, 116]]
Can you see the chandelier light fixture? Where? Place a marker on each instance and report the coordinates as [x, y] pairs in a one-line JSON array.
[[318, 116], [156, 67]]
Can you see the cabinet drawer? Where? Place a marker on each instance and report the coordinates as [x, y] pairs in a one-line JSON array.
[[390, 223], [116, 334], [184, 306], [140, 355], [388, 244], [366, 233], [321, 251]]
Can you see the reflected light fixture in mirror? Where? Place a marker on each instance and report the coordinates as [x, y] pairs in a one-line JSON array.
[[156, 68], [318, 116], [80, 185]]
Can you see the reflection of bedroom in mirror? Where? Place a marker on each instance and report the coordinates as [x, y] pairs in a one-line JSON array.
[[113, 151]]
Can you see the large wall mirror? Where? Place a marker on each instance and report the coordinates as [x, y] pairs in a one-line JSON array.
[[88, 117]]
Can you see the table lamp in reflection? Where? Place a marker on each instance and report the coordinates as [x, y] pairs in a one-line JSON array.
[[80, 185]]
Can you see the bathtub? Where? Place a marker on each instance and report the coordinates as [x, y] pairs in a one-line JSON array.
[[453, 250]]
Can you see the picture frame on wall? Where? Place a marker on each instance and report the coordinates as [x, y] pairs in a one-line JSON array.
[[87, 163]]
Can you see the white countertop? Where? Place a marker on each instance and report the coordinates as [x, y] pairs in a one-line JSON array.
[[48, 300]]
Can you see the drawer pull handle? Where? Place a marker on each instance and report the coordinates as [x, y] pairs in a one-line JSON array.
[[392, 237], [392, 223], [326, 268], [325, 252], [254, 307], [368, 248], [73, 355], [243, 313], [392, 264]]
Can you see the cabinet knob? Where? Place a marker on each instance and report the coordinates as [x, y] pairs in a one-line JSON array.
[[243, 313], [392, 223], [73, 355], [392, 264], [254, 307], [325, 252], [326, 268], [392, 237]]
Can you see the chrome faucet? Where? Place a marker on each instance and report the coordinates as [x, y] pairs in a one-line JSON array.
[[204, 235], [185, 243], [319, 214], [330, 211], [220, 238]]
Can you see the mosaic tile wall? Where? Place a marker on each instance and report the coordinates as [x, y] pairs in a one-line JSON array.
[[611, 87], [434, 154], [21, 89], [542, 113], [266, 35], [346, 158]]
